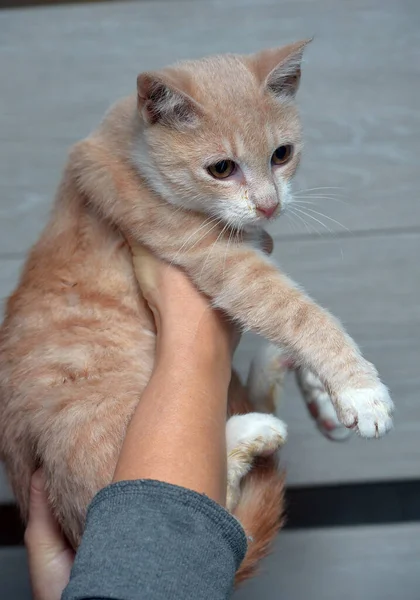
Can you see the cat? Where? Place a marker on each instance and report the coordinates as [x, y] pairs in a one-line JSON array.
[[265, 382], [192, 166]]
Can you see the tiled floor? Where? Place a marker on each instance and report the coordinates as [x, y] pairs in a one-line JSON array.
[[366, 563], [61, 67]]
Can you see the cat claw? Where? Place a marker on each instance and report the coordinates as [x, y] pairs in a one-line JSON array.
[[367, 410]]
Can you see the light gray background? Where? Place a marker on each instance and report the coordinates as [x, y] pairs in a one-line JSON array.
[[61, 68]]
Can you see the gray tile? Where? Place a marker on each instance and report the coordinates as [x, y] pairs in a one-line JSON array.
[[14, 579], [6, 495], [9, 274], [379, 563], [65, 65], [375, 563], [368, 283]]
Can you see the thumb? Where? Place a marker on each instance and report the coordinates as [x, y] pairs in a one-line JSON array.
[[145, 267], [42, 530]]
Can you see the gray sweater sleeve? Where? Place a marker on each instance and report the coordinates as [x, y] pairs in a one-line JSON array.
[[152, 540]]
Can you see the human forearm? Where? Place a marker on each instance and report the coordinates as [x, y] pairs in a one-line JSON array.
[[177, 433]]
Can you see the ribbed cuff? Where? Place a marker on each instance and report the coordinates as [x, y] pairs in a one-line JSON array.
[[117, 495], [154, 540]]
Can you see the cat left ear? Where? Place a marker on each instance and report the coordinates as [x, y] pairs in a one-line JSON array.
[[279, 69], [161, 100]]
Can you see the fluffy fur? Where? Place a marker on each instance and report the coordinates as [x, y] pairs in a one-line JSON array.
[[77, 344], [265, 381]]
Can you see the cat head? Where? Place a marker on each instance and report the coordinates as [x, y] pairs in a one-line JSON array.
[[222, 135]]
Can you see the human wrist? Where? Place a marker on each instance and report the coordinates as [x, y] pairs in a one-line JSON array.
[[188, 349]]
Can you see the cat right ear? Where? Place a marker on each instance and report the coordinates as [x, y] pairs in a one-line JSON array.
[[161, 100], [279, 69]]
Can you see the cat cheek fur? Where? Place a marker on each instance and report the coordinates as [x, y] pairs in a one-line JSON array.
[[190, 187], [286, 192]]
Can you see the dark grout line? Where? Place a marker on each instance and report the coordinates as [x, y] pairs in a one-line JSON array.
[[48, 3], [353, 504], [11, 527], [18, 4], [346, 505]]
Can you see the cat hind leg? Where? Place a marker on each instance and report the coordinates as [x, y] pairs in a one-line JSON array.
[[320, 405], [266, 378], [248, 437]]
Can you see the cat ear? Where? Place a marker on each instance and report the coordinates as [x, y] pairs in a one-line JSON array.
[[160, 100], [279, 69]]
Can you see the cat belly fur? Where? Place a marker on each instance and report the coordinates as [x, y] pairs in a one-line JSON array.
[[76, 351]]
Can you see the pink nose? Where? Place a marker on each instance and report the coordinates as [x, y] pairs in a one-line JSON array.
[[267, 211]]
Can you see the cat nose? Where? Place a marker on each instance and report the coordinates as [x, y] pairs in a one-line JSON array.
[[268, 211]]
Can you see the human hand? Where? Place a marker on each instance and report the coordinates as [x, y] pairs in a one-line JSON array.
[[168, 291], [50, 557], [182, 314]]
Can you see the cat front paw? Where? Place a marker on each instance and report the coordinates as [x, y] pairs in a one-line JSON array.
[[320, 406], [368, 410]]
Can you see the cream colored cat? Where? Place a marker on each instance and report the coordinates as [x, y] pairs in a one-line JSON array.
[[192, 166]]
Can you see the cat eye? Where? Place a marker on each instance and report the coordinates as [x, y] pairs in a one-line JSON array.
[[222, 169], [282, 155]]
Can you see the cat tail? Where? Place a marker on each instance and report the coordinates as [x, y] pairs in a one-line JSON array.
[[260, 511]]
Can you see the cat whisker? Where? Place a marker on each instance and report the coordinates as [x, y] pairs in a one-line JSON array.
[[329, 218], [315, 189], [241, 232], [335, 193], [320, 197], [291, 216], [314, 218], [212, 248], [305, 202], [290, 222], [324, 195], [207, 222], [206, 233], [227, 248], [293, 211], [179, 208]]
